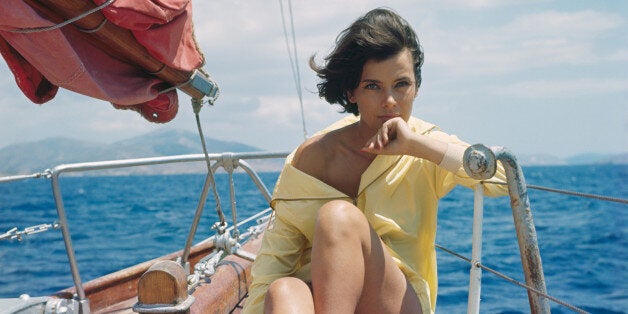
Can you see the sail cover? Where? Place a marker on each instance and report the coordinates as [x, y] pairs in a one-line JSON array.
[[43, 60]]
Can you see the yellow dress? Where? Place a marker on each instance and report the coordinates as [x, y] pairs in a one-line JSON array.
[[399, 197]]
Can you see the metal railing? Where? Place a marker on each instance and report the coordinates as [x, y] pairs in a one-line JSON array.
[[227, 160], [480, 162]]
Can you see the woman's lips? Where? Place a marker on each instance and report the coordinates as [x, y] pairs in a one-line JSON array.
[[387, 117]]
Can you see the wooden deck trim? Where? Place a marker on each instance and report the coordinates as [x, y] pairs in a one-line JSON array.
[[228, 287], [116, 287]]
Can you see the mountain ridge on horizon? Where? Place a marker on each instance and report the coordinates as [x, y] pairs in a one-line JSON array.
[[35, 156]]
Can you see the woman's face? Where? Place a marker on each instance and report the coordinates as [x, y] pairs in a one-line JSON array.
[[386, 89]]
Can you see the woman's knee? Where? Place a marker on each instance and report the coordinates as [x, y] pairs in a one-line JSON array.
[[340, 223], [286, 286], [287, 294], [338, 213]]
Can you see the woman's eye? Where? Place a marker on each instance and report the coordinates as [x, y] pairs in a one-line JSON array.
[[371, 86], [402, 84]]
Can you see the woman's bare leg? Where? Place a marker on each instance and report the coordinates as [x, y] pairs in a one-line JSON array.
[[288, 295], [351, 270]]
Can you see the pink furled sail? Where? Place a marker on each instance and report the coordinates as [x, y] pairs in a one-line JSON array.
[[68, 57]]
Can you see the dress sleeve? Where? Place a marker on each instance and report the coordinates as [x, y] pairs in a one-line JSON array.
[[451, 172], [278, 257]]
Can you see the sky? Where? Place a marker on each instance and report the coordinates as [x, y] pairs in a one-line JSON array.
[[536, 77]]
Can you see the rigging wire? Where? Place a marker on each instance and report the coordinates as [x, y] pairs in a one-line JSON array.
[[294, 61], [196, 104]]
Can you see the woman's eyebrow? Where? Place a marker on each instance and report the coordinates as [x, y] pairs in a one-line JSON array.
[[403, 78], [370, 81]]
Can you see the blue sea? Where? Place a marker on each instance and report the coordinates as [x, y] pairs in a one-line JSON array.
[[118, 221]]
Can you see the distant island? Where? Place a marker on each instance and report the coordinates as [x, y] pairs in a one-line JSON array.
[[581, 159], [34, 157]]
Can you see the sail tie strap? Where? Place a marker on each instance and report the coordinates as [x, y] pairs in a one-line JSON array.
[[70, 21]]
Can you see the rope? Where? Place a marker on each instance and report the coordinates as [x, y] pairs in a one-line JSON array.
[[72, 20], [593, 196], [498, 274], [294, 64]]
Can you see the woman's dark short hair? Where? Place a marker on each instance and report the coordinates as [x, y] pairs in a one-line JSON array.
[[379, 34]]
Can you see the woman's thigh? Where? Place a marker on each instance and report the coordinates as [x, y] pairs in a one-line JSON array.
[[383, 288], [386, 289]]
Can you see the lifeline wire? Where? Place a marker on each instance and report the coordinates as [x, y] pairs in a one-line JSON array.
[[594, 196], [478, 264]]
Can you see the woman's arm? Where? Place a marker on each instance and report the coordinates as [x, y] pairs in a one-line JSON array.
[[396, 138]]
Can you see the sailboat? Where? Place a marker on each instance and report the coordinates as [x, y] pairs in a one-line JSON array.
[[107, 48], [211, 276]]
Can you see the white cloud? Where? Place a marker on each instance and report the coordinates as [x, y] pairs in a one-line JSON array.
[[619, 55], [563, 89], [577, 25], [480, 4], [529, 41], [286, 111]]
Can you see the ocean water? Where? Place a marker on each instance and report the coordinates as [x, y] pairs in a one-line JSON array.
[[116, 222]]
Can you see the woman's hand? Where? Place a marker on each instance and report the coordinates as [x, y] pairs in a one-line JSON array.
[[396, 138], [391, 139]]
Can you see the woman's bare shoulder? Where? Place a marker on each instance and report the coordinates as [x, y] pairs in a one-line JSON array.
[[311, 155], [318, 153]]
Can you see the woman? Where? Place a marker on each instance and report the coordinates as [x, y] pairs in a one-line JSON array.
[[355, 205]]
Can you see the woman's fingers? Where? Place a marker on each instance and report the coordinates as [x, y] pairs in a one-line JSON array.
[[382, 138], [384, 134]]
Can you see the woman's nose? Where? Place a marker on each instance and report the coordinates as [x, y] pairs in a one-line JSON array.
[[389, 99]]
